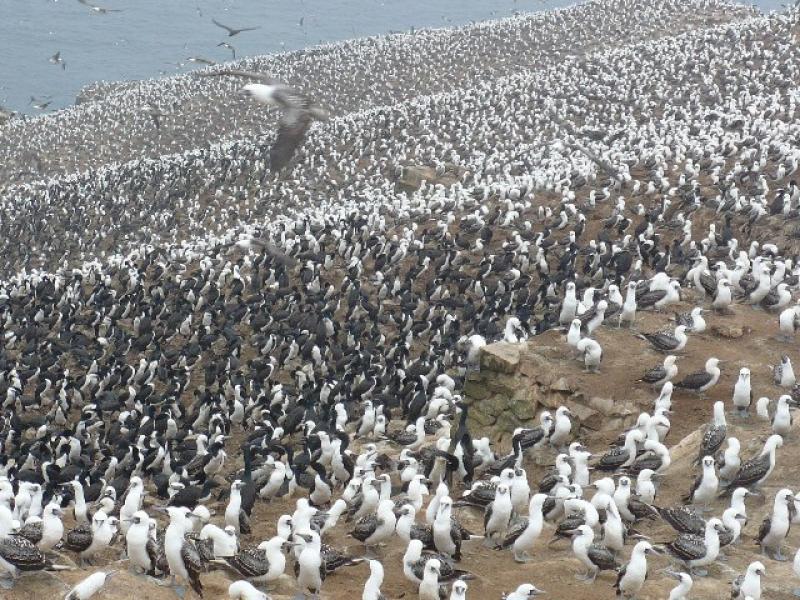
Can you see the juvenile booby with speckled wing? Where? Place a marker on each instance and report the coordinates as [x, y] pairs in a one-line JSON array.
[[298, 112]]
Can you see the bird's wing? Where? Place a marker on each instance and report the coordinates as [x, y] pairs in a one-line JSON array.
[[688, 547], [752, 471], [292, 129], [21, 553], [218, 24], [694, 380], [766, 525]]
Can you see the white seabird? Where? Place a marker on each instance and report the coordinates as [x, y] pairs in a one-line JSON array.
[[742, 392], [775, 527], [89, 586], [632, 576], [748, 585], [524, 592]]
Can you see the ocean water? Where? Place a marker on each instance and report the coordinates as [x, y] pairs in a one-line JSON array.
[[152, 38]]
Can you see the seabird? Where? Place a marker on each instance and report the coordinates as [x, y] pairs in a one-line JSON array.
[[89, 586], [233, 31], [685, 583], [714, 434], [524, 592], [782, 419], [748, 585], [297, 116], [185, 563], [783, 373], [595, 557], [244, 590], [730, 460], [698, 551], [524, 533], [775, 527], [755, 471], [262, 564], [742, 392], [660, 374], [701, 381], [667, 342], [705, 486], [372, 587], [631, 577], [376, 528]]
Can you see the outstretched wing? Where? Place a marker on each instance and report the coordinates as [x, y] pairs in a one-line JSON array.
[[292, 129]]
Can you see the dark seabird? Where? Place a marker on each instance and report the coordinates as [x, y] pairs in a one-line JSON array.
[[661, 373], [698, 550], [754, 472], [714, 435]]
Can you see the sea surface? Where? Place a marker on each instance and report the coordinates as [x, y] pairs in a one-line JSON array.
[[153, 38]]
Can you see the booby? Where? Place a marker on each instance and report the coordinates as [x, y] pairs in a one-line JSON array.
[[497, 515], [376, 528], [183, 559], [372, 587], [264, 563], [631, 577], [776, 526], [701, 381], [748, 585], [782, 419], [89, 586], [594, 557], [665, 341], [524, 533], [414, 560], [742, 392], [730, 461], [524, 592], [660, 374], [244, 590], [680, 591], [783, 373], [141, 548], [698, 551], [309, 569], [458, 590], [715, 433], [693, 320], [755, 471]]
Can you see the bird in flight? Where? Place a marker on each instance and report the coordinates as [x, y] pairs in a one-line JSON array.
[[298, 112], [57, 60], [98, 9], [229, 47], [200, 59], [231, 31]]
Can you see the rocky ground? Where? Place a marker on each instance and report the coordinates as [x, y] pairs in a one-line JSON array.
[[515, 383]]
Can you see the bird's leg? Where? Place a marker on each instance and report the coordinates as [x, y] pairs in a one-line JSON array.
[[523, 558], [166, 582], [779, 556], [180, 591], [699, 572], [6, 583], [592, 575], [796, 592], [583, 576]]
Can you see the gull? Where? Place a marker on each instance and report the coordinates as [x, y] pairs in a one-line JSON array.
[[200, 59], [57, 60], [231, 31], [298, 112], [99, 9], [229, 47]]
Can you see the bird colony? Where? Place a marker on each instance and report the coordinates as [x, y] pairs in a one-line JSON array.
[[228, 371]]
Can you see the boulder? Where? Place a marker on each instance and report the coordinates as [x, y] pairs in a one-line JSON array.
[[500, 357]]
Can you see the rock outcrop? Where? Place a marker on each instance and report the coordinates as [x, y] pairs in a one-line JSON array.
[[518, 381]]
